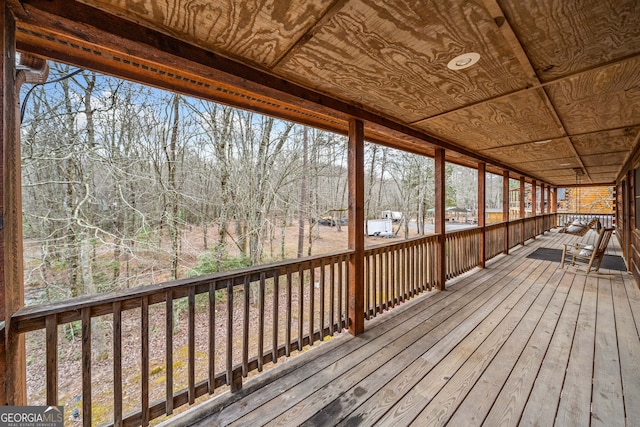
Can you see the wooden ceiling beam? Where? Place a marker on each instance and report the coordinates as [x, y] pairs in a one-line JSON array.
[[331, 11]]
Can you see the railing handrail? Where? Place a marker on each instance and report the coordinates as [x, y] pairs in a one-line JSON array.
[[26, 318], [394, 245], [31, 318]]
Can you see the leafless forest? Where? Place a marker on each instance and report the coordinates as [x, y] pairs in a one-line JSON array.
[[126, 185]]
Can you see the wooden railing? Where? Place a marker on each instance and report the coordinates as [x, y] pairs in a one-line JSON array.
[[529, 228], [462, 251], [276, 309], [397, 272], [606, 220], [245, 318], [515, 233], [494, 240]]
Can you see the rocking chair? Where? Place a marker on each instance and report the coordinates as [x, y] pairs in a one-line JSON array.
[[580, 229], [591, 254]]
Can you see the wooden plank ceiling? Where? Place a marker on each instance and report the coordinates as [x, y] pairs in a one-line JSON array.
[[556, 89]]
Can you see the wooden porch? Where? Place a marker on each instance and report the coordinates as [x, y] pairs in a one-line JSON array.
[[520, 342]]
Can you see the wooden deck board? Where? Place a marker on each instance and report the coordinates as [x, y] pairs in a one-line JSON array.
[[355, 349], [546, 388], [607, 406], [509, 378], [628, 348], [389, 384], [575, 400], [521, 342], [510, 336], [358, 365]]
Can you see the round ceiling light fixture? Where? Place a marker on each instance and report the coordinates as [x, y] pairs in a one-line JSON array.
[[463, 61]]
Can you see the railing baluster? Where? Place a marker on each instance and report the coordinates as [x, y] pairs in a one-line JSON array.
[[300, 305], [340, 283], [144, 326], [191, 330], [51, 323], [322, 296], [367, 286], [276, 314], [345, 317], [404, 268], [332, 296], [86, 366], [377, 285], [117, 364], [169, 351], [212, 338], [245, 329], [230, 333], [261, 322], [312, 302], [392, 274], [388, 297], [287, 350], [412, 269]]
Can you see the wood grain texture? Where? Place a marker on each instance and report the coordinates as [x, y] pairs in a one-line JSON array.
[[605, 159], [522, 117], [355, 286], [562, 38], [546, 389], [470, 332], [530, 152], [606, 141], [608, 407], [429, 345], [629, 347], [516, 365], [604, 98], [575, 399], [258, 31], [379, 53], [52, 360], [13, 372]]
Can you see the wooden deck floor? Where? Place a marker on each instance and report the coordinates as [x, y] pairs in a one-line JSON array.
[[521, 342]]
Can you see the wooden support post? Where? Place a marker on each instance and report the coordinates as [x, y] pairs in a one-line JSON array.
[[534, 210], [482, 203], [554, 206], [547, 210], [542, 208], [547, 198], [505, 209], [522, 211], [439, 207], [627, 200], [13, 369], [356, 226]]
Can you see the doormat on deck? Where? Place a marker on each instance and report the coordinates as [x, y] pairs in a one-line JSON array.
[[611, 262]]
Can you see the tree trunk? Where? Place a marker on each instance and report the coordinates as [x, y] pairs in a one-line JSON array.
[[302, 208], [172, 209]]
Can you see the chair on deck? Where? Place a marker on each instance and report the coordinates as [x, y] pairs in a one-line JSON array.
[[592, 254], [578, 228]]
